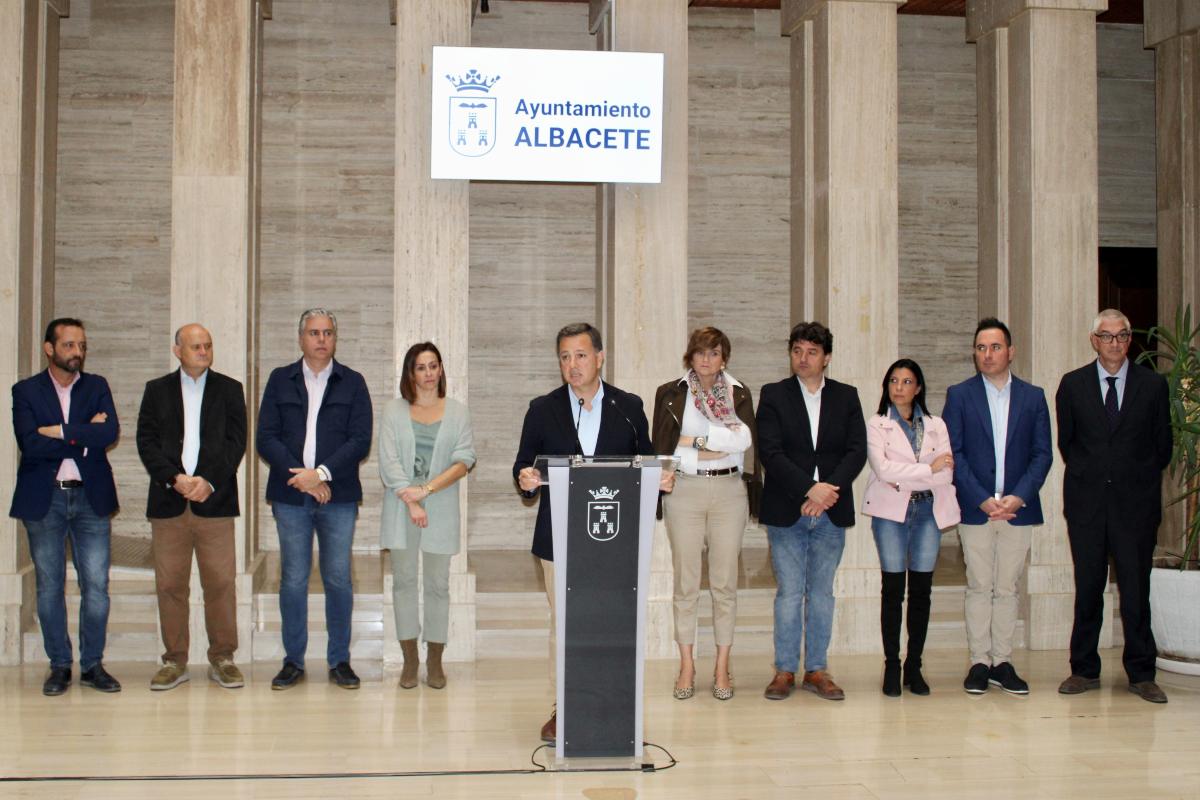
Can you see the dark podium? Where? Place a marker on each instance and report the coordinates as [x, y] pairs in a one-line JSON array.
[[603, 514]]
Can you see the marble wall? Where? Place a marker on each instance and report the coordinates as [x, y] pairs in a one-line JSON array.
[[327, 158]]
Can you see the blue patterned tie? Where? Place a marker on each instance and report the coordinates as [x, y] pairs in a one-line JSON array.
[[1110, 403]]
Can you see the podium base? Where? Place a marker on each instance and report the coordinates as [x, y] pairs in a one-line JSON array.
[[592, 764]]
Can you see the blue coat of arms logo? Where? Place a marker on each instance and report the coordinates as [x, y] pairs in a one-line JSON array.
[[472, 123]]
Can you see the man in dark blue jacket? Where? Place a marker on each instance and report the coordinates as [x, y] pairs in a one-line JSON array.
[[999, 428], [64, 420], [314, 427]]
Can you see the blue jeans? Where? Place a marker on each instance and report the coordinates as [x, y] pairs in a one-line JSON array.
[[334, 525], [909, 545], [71, 516], [805, 557]]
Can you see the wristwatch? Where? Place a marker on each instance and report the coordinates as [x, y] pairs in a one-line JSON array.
[[699, 442]]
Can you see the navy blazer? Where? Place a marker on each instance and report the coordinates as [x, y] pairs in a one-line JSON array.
[[788, 457], [343, 431], [35, 404], [1126, 463], [222, 444], [549, 430], [1027, 449]]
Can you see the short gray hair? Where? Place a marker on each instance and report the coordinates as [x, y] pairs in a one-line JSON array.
[[1110, 313], [578, 329], [316, 312]]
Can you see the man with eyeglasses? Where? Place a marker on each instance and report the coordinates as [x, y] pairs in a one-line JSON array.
[[1114, 433], [1000, 430]]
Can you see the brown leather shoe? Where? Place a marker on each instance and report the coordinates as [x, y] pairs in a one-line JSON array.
[[1077, 684], [1148, 691], [821, 684], [550, 729], [412, 663], [780, 687]]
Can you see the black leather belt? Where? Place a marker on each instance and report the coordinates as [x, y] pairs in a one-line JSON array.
[[69, 484], [713, 473], [920, 497]]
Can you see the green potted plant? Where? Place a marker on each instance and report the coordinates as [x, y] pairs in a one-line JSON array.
[[1175, 580]]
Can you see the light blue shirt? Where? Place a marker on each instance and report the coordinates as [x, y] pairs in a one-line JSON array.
[[998, 401], [193, 397], [1121, 375], [588, 421]]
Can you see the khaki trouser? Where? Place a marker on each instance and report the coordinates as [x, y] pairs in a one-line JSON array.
[[173, 542], [995, 553], [706, 513], [548, 574]]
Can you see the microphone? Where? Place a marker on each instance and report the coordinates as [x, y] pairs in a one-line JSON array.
[[636, 438], [578, 419]]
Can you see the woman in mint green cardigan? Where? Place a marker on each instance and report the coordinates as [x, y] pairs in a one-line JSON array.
[[425, 449]]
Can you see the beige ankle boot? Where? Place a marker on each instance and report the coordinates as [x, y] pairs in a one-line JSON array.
[[412, 663], [434, 675]]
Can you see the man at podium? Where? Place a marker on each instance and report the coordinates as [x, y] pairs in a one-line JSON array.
[[584, 416]]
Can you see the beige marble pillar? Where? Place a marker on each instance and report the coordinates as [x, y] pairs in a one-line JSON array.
[[214, 228], [1052, 239], [28, 157], [991, 82], [1172, 28], [641, 254], [845, 240], [431, 263]]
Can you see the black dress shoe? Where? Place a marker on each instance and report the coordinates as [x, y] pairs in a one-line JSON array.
[[287, 677], [977, 679], [99, 680], [57, 681], [1004, 676], [343, 676]]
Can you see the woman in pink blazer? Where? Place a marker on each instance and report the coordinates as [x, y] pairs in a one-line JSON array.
[[910, 499]]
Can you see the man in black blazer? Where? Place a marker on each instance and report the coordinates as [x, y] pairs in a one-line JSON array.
[[808, 503], [584, 416], [1114, 433], [191, 437]]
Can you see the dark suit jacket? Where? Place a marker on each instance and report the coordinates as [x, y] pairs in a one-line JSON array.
[[343, 431], [222, 444], [1027, 450], [549, 430], [1125, 464], [786, 449], [35, 404]]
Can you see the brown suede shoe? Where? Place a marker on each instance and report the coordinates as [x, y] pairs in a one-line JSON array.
[[1148, 691], [1077, 684], [780, 687], [821, 684], [550, 729], [412, 663]]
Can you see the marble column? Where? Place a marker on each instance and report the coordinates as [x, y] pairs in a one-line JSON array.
[[845, 240], [1172, 28], [431, 264], [991, 81], [214, 230], [641, 254], [28, 157], [1052, 241]]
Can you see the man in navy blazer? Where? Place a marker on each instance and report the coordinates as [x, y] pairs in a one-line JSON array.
[[812, 439], [999, 428], [64, 420], [1114, 434], [584, 416], [314, 427]]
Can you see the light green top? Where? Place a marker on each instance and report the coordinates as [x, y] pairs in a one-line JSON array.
[[424, 436], [452, 443]]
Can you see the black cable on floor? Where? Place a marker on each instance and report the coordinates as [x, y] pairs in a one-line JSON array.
[[312, 776]]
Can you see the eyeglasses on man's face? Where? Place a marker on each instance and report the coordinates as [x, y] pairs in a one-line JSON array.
[[1107, 338]]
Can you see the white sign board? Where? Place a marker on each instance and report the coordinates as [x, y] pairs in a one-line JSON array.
[[547, 115]]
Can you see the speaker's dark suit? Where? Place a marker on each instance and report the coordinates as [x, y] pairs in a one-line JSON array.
[[549, 430], [1113, 504], [788, 457], [222, 444]]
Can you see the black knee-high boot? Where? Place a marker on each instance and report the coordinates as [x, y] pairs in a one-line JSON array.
[[890, 611], [920, 585]]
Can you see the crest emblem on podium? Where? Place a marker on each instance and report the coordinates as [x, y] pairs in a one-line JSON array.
[[472, 125], [604, 514]]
